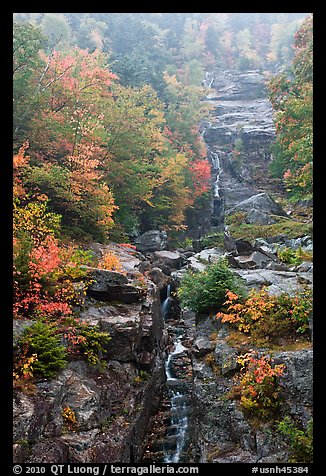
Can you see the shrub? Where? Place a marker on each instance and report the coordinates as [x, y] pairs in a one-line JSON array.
[[205, 291], [42, 340], [268, 316], [257, 388], [211, 241], [299, 440], [92, 347], [111, 262], [49, 288], [69, 418], [293, 257], [23, 371], [85, 341], [44, 269], [291, 228], [142, 377]]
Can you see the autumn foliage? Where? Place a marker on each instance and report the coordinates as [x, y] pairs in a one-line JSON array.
[[292, 98], [257, 388], [110, 158], [266, 316]]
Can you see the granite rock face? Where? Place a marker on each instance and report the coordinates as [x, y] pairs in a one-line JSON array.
[[112, 405], [222, 432], [261, 202]]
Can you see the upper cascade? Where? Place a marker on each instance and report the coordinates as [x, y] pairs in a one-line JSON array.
[[238, 136]]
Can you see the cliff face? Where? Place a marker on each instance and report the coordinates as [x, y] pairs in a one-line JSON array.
[[223, 433], [112, 407], [238, 141], [238, 137], [115, 409]]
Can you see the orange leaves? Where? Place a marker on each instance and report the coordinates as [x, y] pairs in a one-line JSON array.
[[258, 387], [77, 71], [260, 368], [43, 269], [20, 159], [231, 296], [44, 259], [255, 307], [269, 318]]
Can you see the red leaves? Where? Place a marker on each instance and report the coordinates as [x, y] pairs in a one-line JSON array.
[[45, 258], [258, 387], [201, 176]]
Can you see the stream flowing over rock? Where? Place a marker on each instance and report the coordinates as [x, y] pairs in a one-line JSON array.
[[219, 430], [222, 432]]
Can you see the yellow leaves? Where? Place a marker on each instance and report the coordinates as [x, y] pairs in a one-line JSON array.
[[23, 368], [69, 418], [256, 306], [111, 262]]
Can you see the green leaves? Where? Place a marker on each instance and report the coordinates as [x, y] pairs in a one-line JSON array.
[[292, 97], [205, 291], [42, 340]]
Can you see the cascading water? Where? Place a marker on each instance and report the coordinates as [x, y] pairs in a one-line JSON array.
[[216, 169], [208, 80], [175, 442], [217, 201], [166, 304], [177, 431]]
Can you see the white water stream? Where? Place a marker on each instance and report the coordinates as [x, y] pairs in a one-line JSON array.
[[179, 420]]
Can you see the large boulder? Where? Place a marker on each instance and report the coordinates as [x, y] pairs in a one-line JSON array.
[[109, 286], [257, 217], [275, 282], [297, 382], [262, 202], [225, 357], [255, 260], [202, 345], [152, 240], [104, 278], [158, 277], [243, 247], [169, 258]]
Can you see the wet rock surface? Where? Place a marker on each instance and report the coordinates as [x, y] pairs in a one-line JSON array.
[[152, 240], [222, 432]]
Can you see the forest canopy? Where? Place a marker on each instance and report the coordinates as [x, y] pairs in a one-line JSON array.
[[107, 108]]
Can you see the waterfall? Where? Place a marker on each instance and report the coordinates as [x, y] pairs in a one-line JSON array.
[[217, 206], [215, 160], [166, 304], [176, 435], [209, 79]]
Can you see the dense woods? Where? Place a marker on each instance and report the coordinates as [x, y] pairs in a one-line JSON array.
[[106, 120], [292, 97]]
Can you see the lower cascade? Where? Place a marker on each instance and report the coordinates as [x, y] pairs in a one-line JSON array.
[[177, 431]]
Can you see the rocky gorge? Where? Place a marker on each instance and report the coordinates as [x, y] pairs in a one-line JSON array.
[[162, 396]]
